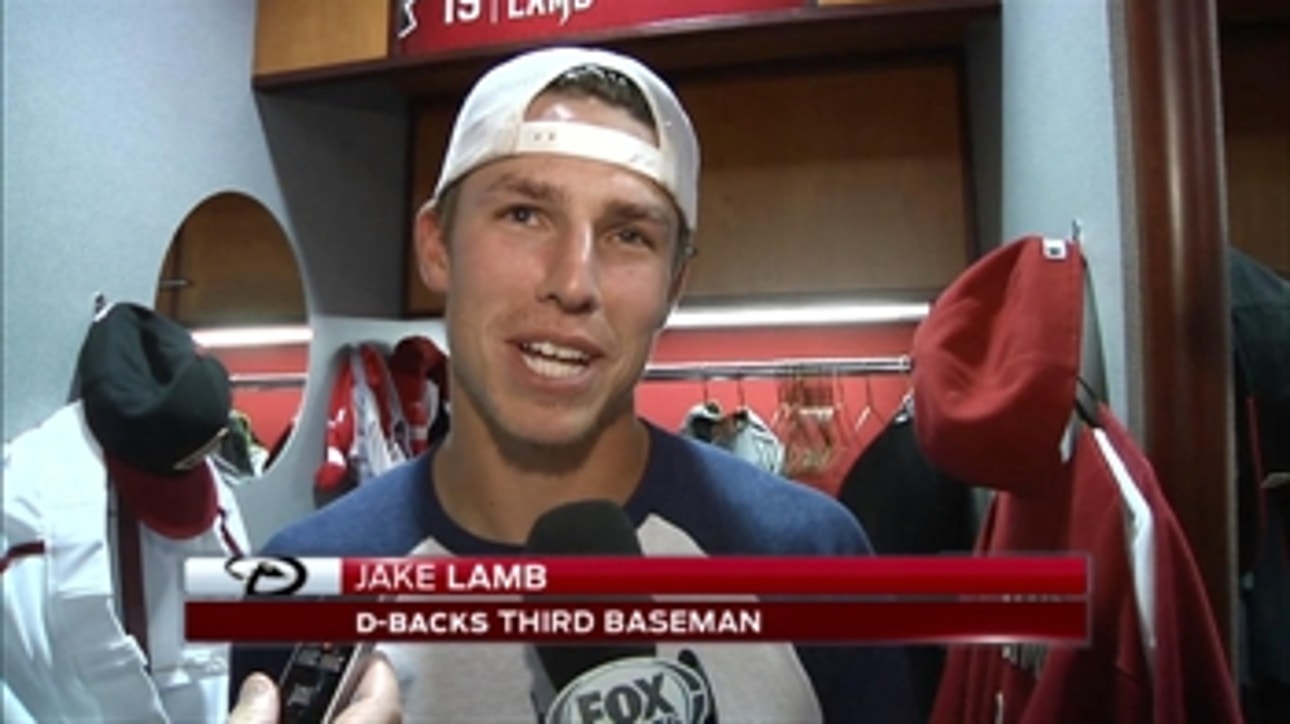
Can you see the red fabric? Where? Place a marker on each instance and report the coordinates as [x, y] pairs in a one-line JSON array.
[[415, 365], [995, 369], [1004, 333], [1192, 679], [21, 550], [1105, 682], [1108, 681], [375, 375], [339, 433], [177, 506]]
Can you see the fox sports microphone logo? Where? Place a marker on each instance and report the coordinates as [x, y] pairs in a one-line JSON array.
[[639, 690], [267, 575]]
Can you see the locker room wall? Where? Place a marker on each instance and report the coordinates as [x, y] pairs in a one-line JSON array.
[[119, 119], [1057, 148]]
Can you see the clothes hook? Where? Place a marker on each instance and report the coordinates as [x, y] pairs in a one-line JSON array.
[[100, 305]]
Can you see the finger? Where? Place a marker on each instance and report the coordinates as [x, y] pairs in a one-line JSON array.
[[257, 702], [378, 681], [377, 697]]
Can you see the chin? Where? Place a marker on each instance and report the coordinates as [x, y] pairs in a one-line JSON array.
[[550, 433], [539, 427], [548, 429]]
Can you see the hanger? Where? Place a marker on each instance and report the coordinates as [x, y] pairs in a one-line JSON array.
[[789, 396], [739, 416], [870, 410], [843, 434], [709, 402], [905, 410], [867, 411]]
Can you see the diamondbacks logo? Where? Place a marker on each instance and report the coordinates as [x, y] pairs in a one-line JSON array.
[[640, 690], [267, 575], [407, 18]]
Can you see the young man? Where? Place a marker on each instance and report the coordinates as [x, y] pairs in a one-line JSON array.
[[560, 233]]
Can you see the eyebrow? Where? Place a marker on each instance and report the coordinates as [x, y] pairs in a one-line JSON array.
[[540, 191], [650, 213], [527, 187]]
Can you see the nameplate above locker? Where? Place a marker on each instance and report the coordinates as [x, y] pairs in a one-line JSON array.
[[437, 26]]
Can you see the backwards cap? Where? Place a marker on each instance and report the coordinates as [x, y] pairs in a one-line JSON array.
[[491, 125]]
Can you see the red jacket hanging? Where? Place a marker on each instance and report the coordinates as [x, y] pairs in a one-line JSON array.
[[996, 365]]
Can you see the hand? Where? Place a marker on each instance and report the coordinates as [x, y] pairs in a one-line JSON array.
[[376, 699], [257, 701]]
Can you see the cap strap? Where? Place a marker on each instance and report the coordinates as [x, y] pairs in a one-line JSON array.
[[594, 142], [129, 560]]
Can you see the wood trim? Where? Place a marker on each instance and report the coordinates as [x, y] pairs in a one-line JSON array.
[[293, 35], [1172, 62], [236, 265]]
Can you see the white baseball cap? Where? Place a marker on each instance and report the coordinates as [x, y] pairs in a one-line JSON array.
[[491, 125]]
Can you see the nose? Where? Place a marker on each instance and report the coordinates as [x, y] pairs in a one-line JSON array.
[[572, 274]]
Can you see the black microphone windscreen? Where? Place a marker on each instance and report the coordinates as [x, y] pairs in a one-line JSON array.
[[589, 528], [584, 527]]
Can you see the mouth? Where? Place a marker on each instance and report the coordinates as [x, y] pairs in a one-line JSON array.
[[554, 361]]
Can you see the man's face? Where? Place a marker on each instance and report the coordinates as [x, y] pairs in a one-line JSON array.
[[559, 273]]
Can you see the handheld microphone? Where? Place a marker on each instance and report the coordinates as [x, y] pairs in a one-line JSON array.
[[319, 680], [589, 528], [620, 682]]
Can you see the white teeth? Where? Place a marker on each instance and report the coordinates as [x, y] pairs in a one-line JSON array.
[[551, 360], [552, 368], [550, 349]]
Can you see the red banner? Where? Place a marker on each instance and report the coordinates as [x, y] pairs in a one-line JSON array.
[[437, 26], [604, 576], [799, 575], [1048, 621]]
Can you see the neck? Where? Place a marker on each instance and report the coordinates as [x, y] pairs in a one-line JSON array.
[[497, 488]]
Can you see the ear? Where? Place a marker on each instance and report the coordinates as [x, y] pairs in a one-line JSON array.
[[432, 250]]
